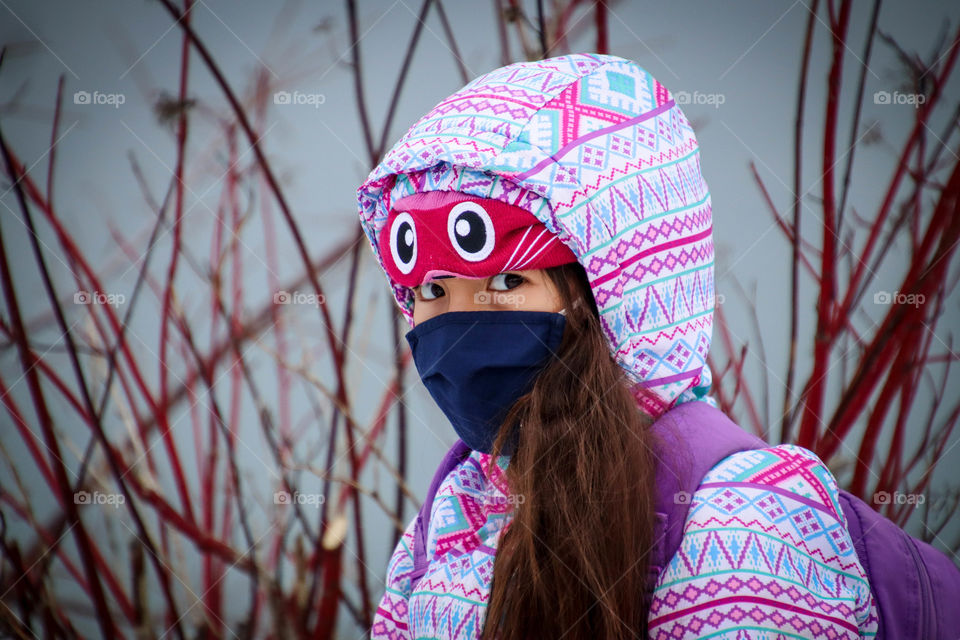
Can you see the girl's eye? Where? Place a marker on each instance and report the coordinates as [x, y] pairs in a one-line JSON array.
[[430, 291], [505, 281]]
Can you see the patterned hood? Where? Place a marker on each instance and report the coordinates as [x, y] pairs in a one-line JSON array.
[[597, 150]]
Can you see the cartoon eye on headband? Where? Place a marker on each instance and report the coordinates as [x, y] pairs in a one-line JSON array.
[[403, 242], [470, 230]]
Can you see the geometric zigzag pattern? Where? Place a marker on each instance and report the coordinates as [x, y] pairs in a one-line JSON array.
[[598, 150], [470, 512], [765, 554]]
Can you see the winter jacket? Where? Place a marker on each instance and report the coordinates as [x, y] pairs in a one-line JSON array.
[[602, 155], [765, 554]]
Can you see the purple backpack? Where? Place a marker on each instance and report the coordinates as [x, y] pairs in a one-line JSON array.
[[916, 587]]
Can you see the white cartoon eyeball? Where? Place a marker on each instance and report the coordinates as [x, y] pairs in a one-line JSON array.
[[403, 242], [470, 230]]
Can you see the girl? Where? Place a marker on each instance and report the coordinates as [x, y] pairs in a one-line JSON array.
[[547, 233]]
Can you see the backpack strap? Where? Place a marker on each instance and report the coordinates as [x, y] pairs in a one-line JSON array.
[[693, 437], [457, 453]]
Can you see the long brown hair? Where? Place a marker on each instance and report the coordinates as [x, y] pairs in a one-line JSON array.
[[573, 561]]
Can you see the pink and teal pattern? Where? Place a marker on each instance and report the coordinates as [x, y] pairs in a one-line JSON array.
[[598, 150], [765, 554], [470, 512]]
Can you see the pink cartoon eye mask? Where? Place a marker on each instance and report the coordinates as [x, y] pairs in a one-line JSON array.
[[447, 233]]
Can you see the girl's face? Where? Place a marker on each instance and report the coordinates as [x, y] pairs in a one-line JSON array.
[[529, 290]]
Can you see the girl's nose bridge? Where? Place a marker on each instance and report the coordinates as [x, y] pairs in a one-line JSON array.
[[466, 295]]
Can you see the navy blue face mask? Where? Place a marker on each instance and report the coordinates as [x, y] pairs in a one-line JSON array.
[[476, 364]]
